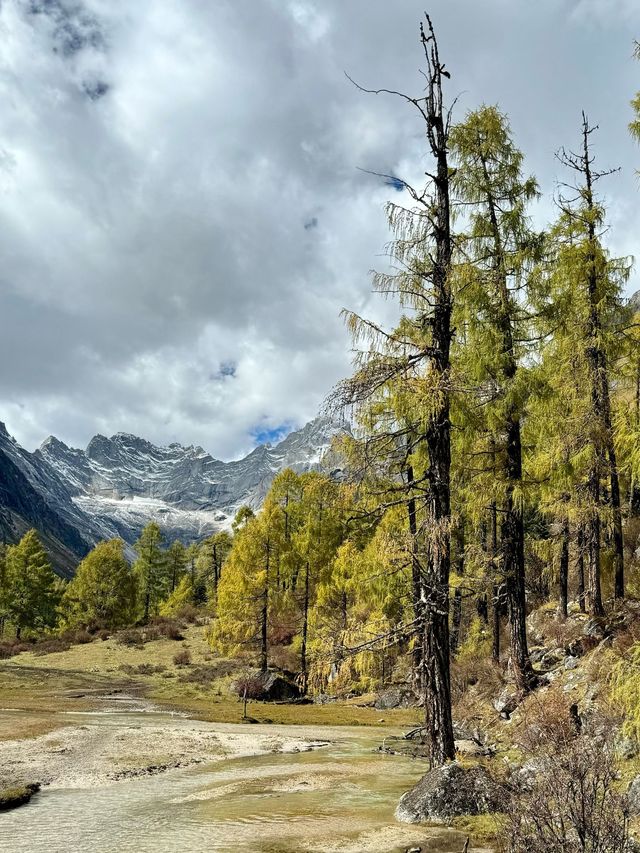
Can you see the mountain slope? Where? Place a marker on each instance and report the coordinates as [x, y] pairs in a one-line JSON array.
[[25, 502], [118, 484]]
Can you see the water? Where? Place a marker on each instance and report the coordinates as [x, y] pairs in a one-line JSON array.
[[339, 797]]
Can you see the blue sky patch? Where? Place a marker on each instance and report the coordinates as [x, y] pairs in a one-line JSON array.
[[263, 435]]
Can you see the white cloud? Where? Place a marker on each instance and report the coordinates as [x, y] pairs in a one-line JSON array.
[[179, 190]]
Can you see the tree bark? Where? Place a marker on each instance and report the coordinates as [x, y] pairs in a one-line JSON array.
[[564, 572], [305, 628], [580, 569], [435, 583], [603, 445]]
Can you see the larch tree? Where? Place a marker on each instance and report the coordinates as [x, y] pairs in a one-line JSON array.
[[150, 569], [584, 284], [103, 590], [176, 564], [246, 588], [401, 389], [33, 592], [499, 250], [5, 596], [320, 532]]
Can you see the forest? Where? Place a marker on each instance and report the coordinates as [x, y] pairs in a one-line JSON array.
[[493, 473]]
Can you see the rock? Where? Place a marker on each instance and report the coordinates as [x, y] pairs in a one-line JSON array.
[[277, 687], [274, 686], [462, 732], [552, 658], [576, 648], [536, 622], [470, 747], [396, 697], [594, 628], [450, 791], [633, 797], [506, 703], [537, 653], [626, 748], [571, 662]]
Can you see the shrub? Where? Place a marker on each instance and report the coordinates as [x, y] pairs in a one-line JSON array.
[[130, 638], [13, 647], [182, 658], [162, 627], [188, 613], [82, 637], [51, 646], [203, 675], [565, 797], [142, 669]]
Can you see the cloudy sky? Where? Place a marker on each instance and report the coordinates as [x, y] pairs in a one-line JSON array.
[[183, 211]]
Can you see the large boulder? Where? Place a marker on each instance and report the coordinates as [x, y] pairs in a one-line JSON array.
[[450, 791], [270, 686], [633, 797], [506, 703], [396, 697]]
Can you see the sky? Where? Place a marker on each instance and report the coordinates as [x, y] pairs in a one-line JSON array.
[[186, 203]]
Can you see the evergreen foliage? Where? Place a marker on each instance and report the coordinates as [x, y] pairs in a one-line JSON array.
[[32, 593]]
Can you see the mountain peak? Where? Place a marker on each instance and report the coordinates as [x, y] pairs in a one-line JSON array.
[[51, 443]]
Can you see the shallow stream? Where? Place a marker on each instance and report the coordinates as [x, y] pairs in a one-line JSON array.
[[340, 797]]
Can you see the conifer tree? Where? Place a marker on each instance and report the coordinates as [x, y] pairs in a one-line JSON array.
[[176, 564], [33, 593], [103, 589], [402, 389], [150, 569], [213, 553], [4, 588], [500, 248], [318, 534], [247, 585], [582, 288]]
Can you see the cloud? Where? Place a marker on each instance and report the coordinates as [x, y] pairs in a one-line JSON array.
[[184, 199]]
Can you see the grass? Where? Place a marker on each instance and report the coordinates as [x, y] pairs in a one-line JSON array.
[[11, 798], [74, 678], [483, 828]]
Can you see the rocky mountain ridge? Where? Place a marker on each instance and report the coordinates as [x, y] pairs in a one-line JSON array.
[[116, 485]]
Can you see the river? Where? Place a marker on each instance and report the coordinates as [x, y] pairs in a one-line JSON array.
[[338, 797]]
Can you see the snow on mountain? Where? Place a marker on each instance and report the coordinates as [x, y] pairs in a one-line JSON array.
[[116, 485]]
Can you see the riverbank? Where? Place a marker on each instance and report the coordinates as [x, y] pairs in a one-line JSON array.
[[130, 778], [96, 753]]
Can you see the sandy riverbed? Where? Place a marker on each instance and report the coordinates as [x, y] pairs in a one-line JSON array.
[[97, 754]]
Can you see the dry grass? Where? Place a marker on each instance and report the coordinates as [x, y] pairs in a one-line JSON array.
[[75, 678]]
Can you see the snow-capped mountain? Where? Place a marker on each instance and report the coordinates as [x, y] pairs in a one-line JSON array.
[[118, 484]]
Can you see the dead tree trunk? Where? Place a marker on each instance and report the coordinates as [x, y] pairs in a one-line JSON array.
[[435, 585]]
